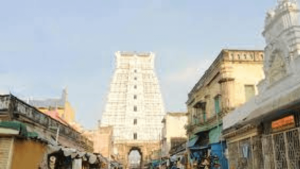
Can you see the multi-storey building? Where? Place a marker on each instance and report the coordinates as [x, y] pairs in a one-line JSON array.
[[173, 132], [229, 82], [26, 130]]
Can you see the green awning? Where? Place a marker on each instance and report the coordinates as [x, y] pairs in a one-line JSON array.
[[15, 125], [214, 134], [21, 127], [193, 141]]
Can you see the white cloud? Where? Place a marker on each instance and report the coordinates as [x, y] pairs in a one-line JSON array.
[[189, 74], [177, 85]]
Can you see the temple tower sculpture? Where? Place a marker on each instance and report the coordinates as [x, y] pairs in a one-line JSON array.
[[134, 105]]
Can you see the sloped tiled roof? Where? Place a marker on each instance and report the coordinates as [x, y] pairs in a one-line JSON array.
[[53, 102], [48, 103]]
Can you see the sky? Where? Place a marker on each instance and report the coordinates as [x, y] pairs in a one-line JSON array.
[[46, 46]]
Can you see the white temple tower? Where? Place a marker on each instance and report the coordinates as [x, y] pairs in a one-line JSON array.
[[134, 107]]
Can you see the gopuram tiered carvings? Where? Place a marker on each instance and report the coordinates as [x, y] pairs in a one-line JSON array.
[[134, 105]]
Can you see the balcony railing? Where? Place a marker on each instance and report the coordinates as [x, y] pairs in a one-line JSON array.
[[210, 123], [16, 108]]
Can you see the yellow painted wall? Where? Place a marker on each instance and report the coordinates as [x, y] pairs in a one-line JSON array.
[[103, 141], [27, 154], [175, 126], [174, 129], [67, 113], [248, 71], [245, 74], [43, 110]]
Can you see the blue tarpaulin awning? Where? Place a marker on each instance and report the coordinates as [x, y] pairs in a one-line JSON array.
[[193, 141]]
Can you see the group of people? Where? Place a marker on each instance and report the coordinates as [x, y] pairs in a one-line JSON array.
[[208, 162]]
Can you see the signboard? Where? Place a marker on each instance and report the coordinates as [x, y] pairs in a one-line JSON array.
[[283, 123]]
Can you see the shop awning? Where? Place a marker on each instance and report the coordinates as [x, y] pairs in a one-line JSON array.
[[193, 141], [199, 147], [92, 158], [15, 127]]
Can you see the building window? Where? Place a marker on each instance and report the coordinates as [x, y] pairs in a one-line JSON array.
[[204, 116], [135, 78], [203, 107], [134, 108], [135, 71], [135, 136], [134, 97], [135, 86], [201, 110], [249, 92], [232, 56], [195, 117], [135, 121], [217, 104], [251, 56]]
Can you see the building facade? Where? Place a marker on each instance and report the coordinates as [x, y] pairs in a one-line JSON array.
[[228, 83], [60, 105], [134, 105], [264, 133], [173, 132], [102, 139], [26, 130]]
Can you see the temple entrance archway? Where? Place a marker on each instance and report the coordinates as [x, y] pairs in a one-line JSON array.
[[135, 158], [144, 148]]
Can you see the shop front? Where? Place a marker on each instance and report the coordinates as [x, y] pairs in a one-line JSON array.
[[218, 158], [244, 148], [207, 149], [217, 148], [270, 141], [199, 149], [281, 140], [67, 158], [264, 132]]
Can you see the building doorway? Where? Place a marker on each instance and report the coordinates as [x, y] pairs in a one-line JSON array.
[[135, 158]]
